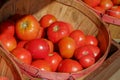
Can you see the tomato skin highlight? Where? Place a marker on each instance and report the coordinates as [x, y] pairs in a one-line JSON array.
[[87, 61], [23, 55], [39, 48], [67, 47], [57, 31]]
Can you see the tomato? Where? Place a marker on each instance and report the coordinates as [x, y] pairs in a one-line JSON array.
[[99, 9], [23, 55], [82, 51], [106, 4], [3, 78], [47, 20], [116, 2], [27, 28], [92, 3], [114, 11], [91, 40], [87, 61], [51, 45], [67, 47], [7, 27], [40, 33], [53, 59], [21, 44], [95, 50], [58, 30], [69, 66], [41, 64], [9, 42], [79, 37], [39, 48]]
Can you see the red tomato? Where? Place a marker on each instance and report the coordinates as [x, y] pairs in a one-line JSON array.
[[79, 37], [67, 47], [69, 66], [86, 61], [27, 28], [41, 64], [7, 27], [95, 50], [51, 45], [91, 40], [3, 78], [53, 59], [40, 33], [99, 9], [114, 11], [57, 31], [21, 44], [92, 3], [39, 48], [82, 51], [106, 4], [47, 20], [23, 55], [9, 42], [116, 2]]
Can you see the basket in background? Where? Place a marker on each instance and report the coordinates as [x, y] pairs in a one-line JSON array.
[[70, 11], [113, 22]]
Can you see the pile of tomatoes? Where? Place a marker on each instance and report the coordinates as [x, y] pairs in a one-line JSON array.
[[110, 7], [49, 44]]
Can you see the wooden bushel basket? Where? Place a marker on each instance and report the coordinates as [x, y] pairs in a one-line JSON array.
[[8, 67], [113, 22], [70, 11]]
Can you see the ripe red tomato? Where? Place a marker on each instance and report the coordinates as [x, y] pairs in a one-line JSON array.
[[58, 30], [7, 27], [40, 33], [92, 3], [9, 42], [82, 51], [41, 64], [23, 55], [39, 48], [53, 59], [116, 2], [47, 20], [114, 11], [106, 4], [27, 28], [91, 40], [69, 66], [51, 45], [79, 37], [67, 47], [95, 50], [87, 61]]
